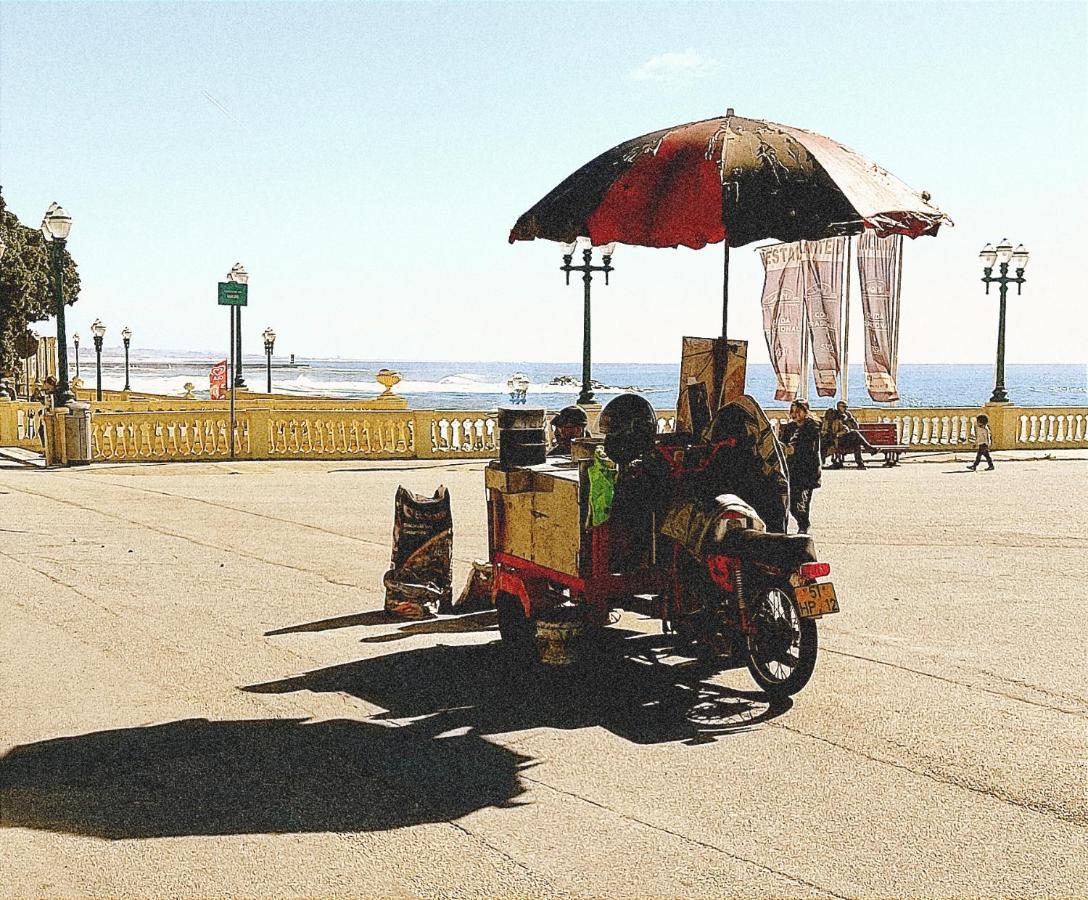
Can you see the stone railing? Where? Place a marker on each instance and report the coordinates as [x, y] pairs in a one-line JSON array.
[[329, 429], [935, 428], [19, 424], [1057, 426], [299, 433]]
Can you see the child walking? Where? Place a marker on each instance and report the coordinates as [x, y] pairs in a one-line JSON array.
[[983, 439]]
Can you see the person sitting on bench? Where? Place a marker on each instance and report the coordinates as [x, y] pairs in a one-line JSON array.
[[844, 437]]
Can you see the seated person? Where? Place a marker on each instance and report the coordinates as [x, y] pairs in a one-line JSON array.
[[843, 436], [569, 423]]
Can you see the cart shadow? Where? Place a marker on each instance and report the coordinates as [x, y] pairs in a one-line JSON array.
[[263, 776], [454, 624], [626, 688]]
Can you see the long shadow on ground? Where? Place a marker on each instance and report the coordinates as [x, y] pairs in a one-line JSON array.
[[267, 776], [624, 686], [425, 760]]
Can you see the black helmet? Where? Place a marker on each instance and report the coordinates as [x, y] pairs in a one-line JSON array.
[[570, 415], [629, 426]]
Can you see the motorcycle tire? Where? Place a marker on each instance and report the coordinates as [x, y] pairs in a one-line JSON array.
[[516, 630], [782, 646]]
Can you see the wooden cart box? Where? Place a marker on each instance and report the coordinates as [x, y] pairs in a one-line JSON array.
[[536, 512]]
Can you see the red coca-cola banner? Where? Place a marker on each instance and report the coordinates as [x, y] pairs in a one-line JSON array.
[[783, 291], [217, 380], [822, 262], [877, 258]]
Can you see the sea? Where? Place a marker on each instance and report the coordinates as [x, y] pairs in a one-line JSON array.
[[483, 385]]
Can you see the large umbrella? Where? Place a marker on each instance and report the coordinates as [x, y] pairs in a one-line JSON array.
[[727, 179]]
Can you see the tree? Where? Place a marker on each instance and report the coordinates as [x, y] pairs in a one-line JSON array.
[[26, 283]]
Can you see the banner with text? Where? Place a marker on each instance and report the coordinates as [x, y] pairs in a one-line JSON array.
[[217, 380], [877, 258], [783, 291], [823, 265]]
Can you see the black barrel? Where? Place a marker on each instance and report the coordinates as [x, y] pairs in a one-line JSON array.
[[521, 437]]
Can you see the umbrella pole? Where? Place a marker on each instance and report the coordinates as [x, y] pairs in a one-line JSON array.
[[846, 326], [898, 289], [725, 294]]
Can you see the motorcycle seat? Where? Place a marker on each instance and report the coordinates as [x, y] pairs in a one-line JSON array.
[[784, 551]]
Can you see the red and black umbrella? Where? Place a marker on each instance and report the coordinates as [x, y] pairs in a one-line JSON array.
[[728, 179]]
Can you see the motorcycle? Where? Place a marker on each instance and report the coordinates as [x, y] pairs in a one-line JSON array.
[[753, 593]]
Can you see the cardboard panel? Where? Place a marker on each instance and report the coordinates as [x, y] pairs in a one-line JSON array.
[[703, 362]]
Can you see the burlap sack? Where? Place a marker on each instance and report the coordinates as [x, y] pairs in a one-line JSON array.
[[420, 579]]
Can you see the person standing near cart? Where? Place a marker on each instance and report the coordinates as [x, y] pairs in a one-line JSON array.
[[801, 439]]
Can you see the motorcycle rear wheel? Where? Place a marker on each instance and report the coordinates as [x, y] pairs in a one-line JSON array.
[[782, 646]]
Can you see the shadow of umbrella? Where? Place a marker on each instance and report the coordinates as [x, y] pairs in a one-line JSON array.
[[624, 688], [263, 776]]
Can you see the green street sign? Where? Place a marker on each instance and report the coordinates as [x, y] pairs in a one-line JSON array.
[[232, 293]]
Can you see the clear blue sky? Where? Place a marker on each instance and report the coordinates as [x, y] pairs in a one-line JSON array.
[[365, 161]]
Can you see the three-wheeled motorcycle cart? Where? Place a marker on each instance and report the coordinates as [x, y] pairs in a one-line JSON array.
[[556, 578]]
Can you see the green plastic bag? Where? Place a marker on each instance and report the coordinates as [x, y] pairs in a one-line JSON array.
[[602, 487]]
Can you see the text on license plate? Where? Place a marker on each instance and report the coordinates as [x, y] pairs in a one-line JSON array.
[[816, 600]]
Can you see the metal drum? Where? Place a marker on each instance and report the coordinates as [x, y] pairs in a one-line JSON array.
[[521, 437]]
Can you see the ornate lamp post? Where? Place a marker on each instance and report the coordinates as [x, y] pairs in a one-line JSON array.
[[126, 337], [239, 275], [1003, 254], [98, 331], [269, 342], [75, 342], [55, 228], [587, 269]]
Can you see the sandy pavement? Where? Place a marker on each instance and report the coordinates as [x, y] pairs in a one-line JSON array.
[[199, 696]]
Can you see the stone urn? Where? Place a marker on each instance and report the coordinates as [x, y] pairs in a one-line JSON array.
[[188, 387], [388, 379]]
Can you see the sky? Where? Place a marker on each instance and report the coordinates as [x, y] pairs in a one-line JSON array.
[[365, 162]]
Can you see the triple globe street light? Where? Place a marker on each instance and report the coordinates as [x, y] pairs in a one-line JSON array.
[[1004, 255], [587, 269]]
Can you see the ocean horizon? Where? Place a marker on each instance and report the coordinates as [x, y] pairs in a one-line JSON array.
[[482, 384]]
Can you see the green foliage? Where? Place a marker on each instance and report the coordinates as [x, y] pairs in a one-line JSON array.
[[26, 284]]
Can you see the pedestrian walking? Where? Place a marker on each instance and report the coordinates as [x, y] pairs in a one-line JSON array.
[[801, 437], [983, 439]]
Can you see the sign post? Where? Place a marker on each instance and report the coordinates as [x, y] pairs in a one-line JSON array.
[[232, 294]]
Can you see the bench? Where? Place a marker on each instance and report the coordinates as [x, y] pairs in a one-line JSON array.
[[882, 437]]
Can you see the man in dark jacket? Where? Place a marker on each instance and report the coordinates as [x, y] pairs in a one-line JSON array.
[[801, 437]]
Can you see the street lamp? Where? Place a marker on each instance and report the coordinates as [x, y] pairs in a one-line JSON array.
[[98, 331], [55, 228], [1004, 255], [75, 342], [126, 337], [269, 342], [239, 275], [587, 269]]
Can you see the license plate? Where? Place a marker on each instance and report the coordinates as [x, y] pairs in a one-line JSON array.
[[814, 600]]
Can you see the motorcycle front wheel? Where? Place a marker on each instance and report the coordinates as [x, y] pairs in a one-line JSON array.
[[781, 645]]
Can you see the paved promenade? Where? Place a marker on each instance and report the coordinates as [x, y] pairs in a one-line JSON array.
[[199, 695]]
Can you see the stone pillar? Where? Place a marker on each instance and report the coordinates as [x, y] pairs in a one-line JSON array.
[[260, 420], [55, 451], [1004, 422], [422, 429]]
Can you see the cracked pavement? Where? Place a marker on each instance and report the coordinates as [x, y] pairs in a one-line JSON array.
[[199, 695]]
